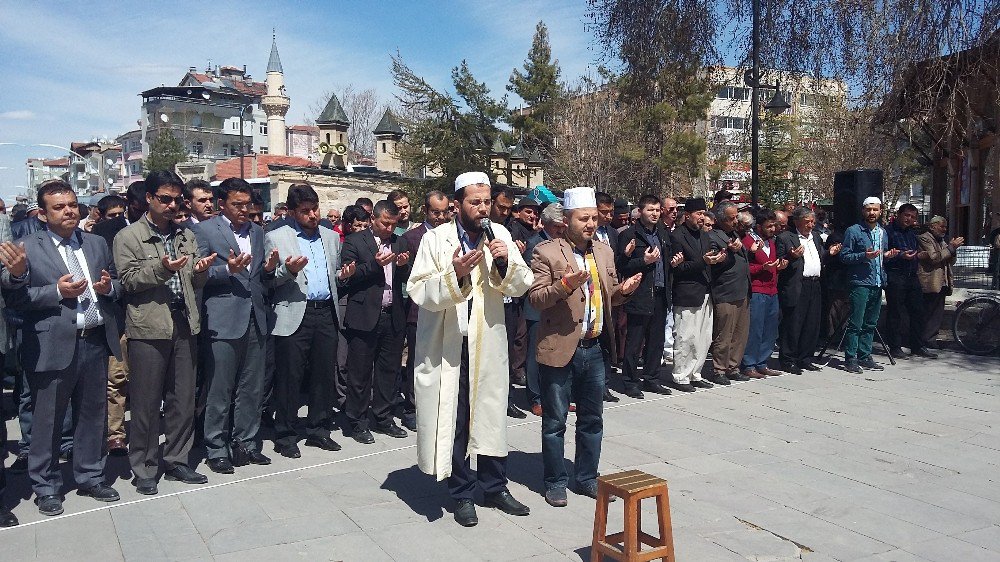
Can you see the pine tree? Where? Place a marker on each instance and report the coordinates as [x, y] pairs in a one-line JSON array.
[[165, 153], [538, 85]]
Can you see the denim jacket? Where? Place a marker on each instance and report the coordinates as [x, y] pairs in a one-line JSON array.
[[861, 270]]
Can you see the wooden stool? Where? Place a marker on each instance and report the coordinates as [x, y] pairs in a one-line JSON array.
[[632, 486]]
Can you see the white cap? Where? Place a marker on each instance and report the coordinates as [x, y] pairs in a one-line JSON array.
[[871, 201], [471, 178], [579, 198]]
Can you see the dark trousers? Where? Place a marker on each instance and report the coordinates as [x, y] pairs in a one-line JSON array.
[[904, 301], [25, 412], [649, 329], [934, 315], [234, 382], [491, 472], [409, 401], [310, 352], [373, 363], [800, 325], [84, 383], [163, 372], [582, 380], [517, 337], [267, 386], [340, 385]]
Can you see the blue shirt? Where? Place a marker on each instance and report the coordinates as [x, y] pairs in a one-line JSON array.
[[861, 270], [317, 274]]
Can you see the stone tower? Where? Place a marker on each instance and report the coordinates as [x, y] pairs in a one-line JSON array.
[[275, 103], [333, 124], [388, 133]]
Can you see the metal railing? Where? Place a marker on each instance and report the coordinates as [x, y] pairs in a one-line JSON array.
[[972, 268]]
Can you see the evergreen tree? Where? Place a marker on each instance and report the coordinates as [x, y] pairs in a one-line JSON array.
[[778, 166], [165, 153], [538, 85]]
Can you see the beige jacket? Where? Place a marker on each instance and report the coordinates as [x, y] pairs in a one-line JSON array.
[[137, 253], [934, 271]]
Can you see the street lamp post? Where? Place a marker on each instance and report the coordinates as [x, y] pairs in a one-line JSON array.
[[777, 104]]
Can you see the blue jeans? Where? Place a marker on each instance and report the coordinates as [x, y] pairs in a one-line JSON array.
[[763, 331], [583, 377]]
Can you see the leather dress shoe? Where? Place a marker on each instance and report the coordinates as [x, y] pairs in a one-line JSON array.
[[409, 421], [7, 519], [791, 368], [925, 353], [391, 429], [363, 436], [117, 447], [289, 451], [683, 387], [536, 409], [506, 503], [851, 366], [20, 464], [769, 372], [556, 497], [184, 473], [146, 486], [718, 378], [737, 376], [515, 412], [608, 397], [870, 364], [257, 457], [702, 384], [898, 353], [655, 388], [634, 393], [220, 465], [465, 513], [324, 442], [100, 492], [810, 366], [49, 505], [754, 374]]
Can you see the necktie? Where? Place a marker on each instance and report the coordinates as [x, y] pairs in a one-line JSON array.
[[90, 313], [596, 304]]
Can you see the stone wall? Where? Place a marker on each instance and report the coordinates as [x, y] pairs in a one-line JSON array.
[[336, 188]]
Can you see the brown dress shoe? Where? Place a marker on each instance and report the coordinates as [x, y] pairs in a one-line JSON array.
[[117, 447], [754, 374], [769, 372]]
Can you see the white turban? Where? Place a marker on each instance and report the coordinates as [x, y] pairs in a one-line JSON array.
[[579, 198], [471, 178], [871, 201]]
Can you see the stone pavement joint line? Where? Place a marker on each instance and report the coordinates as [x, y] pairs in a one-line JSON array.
[[800, 546]]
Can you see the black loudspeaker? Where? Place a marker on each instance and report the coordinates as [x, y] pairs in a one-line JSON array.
[[850, 188]]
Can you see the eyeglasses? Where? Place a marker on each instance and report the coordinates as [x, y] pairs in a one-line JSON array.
[[669, 209], [166, 199], [240, 205]]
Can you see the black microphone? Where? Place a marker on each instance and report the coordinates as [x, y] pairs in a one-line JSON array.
[[501, 263]]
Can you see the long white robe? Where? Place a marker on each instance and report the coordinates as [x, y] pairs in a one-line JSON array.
[[442, 323]]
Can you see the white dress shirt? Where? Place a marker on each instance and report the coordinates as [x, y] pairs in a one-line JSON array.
[[812, 265]]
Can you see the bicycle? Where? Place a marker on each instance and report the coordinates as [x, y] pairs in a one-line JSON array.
[[977, 324]]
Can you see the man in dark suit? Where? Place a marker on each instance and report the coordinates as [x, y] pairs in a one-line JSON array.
[[70, 327], [648, 251], [235, 325], [800, 294], [693, 310], [375, 321], [609, 235], [730, 296], [435, 214]]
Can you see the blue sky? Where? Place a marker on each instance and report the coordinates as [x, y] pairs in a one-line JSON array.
[[73, 70]]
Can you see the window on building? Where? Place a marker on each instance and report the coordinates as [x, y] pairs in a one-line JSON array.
[[198, 147], [728, 122], [340, 137], [328, 138], [733, 93], [383, 148], [813, 100], [235, 126], [225, 149], [262, 150], [263, 128]]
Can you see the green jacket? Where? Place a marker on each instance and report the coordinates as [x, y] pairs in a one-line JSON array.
[[137, 252]]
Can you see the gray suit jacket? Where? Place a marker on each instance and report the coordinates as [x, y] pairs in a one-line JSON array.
[[290, 290], [229, 299], [50, 322]]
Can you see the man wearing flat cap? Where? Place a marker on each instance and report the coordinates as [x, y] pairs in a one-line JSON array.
[[459, 279]]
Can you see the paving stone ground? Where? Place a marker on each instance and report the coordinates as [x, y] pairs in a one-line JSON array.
[[900, 465]]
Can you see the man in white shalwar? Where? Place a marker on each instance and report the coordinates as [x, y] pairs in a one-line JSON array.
[[459, 279]]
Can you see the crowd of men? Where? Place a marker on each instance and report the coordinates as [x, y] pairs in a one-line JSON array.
[[181, 305]]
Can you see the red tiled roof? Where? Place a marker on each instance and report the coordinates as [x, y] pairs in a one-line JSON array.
[[304, 128], [231, 168], [56, 162]]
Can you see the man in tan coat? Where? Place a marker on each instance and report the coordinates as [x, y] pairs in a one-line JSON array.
[[459, 278], [936, 256], [574, 289]]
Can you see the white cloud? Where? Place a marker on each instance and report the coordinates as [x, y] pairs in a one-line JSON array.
[[18, 115]]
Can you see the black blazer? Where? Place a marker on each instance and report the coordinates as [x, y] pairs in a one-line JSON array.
[[790, 278], [693, 277], [731, 276], [364, 288], [612, 241], [641, 302]]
